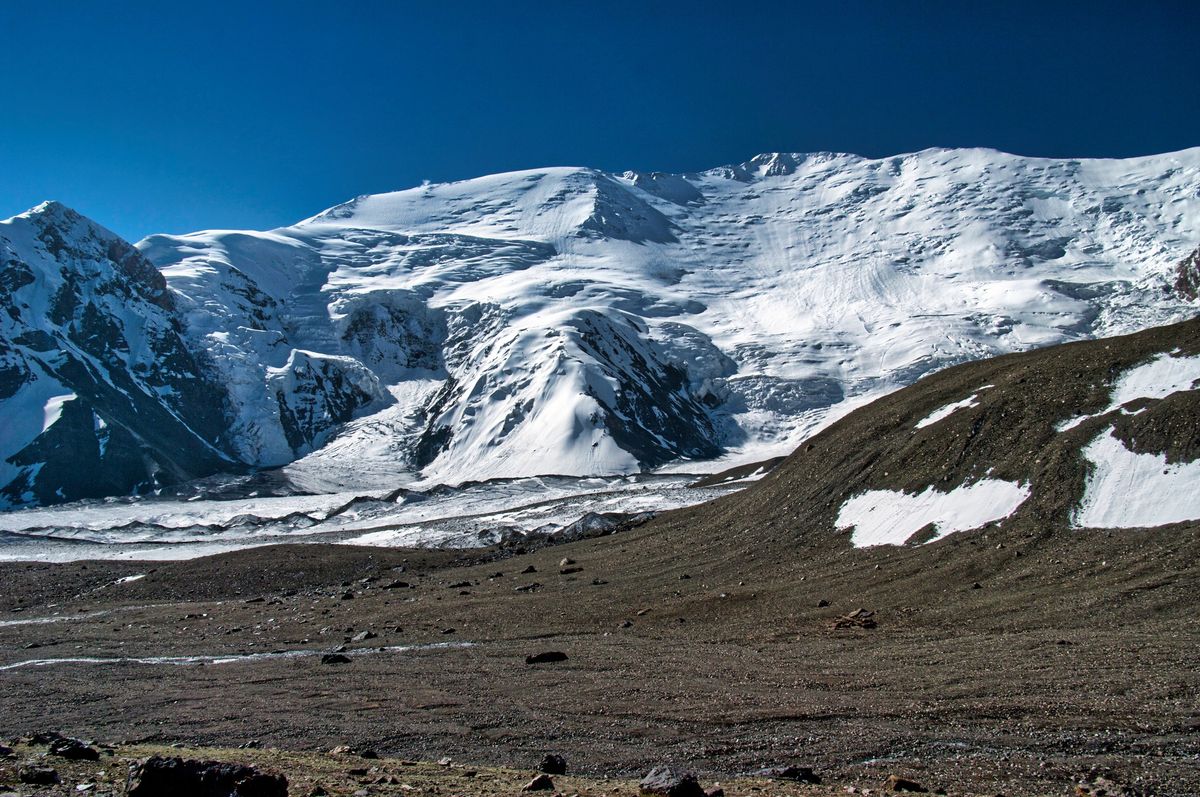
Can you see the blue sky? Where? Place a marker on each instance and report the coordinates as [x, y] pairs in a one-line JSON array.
[[171, 117]]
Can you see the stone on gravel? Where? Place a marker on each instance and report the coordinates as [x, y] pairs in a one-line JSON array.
[[859, 618], [566, 560], [715, 791], [540, 783], [546, 657], [897, 783], [189, 778], [38, 776], [553, 764], [798, 774], [669, 782], [74, 750], [363, 636], [6, 752], [335, 658]]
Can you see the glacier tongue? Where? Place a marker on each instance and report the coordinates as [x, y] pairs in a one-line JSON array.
[[570, 321]]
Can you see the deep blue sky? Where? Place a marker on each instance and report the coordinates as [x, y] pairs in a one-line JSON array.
[[175, 116]]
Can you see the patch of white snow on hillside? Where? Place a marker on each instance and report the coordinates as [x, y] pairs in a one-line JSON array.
[[52, 409], [1156, 379], [1130, 490], [888, 517], [948, 410]]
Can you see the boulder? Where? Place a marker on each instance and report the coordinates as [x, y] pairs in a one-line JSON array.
[[553, 764], [188, 778], [897, 783], [540, 783], [669, 782], [38, 776], [74, 750], [546, 657]]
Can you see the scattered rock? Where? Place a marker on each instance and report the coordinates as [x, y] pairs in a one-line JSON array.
[[566, 571], [671, 783], [449, 630], [625, 624], [686, 577], [347, 595], [335, 658], [540, 783], [553, 764], [642, 612], [546, 657], [74, 750], [38, 776], [396, 585], [318, 791], [530, 569], [461, 584], [715, 791], [188, 778], [370, 755], [859, 618], [342, 749], [363, 636], [797, 774], [534, 587], [7, 752], [821, 604], [566, 560], [897, 783]]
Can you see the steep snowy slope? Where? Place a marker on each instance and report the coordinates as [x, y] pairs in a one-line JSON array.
[[99, 392], [570, 321]]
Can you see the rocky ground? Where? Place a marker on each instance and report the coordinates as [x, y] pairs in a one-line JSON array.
[[959, 688]]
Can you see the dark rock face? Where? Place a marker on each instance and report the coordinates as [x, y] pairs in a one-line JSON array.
[[188, 778], [1187, 276], [317, 393], [102, 394]]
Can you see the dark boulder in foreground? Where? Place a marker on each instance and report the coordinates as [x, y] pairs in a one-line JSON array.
[[188, 778], [669, 782], [38, 776], [553, 764], [74, 750], [546, 657]]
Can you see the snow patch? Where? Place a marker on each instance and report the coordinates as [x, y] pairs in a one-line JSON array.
[[889, 517], [948, 410], [1130, 490], [52, 409]]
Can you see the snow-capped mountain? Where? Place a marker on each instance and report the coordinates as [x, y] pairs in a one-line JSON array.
[[570, 321], [99, 391]]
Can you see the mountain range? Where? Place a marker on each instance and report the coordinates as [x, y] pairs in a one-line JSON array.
[[565, 320]]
